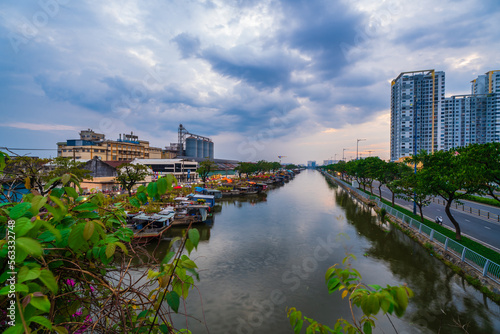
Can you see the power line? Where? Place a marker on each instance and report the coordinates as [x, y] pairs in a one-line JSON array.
[[28, 149]]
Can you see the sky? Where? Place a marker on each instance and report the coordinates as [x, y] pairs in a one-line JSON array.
[[300, 79]]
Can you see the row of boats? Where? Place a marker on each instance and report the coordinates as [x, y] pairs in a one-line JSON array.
[[195, 208]]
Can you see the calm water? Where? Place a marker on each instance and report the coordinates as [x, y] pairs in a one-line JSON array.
[[261, 256]]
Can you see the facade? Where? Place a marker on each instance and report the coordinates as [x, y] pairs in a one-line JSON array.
[[182, 169], [416, 99], [93, 144], [423, 119], [311, 164]]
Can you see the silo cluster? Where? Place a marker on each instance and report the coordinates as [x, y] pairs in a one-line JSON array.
[[199, 148]]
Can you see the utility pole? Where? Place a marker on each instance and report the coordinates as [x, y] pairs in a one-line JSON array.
[[370, 153], [415, 148], [357, 144]]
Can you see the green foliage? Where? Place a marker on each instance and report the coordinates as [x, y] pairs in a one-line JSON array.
[[69, 252], [204, 169], [372, 299], [128, 175]]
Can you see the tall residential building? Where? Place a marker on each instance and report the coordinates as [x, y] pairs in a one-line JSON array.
[[416, 99], [456, 121], [93, 144]]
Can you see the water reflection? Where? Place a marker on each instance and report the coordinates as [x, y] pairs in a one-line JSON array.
[[443, 300], [263, 254]]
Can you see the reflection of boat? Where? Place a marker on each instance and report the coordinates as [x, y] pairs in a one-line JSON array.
[[247, 190], [231, 193], [150, 226]]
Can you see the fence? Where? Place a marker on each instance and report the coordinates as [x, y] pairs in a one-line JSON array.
[[468, 209], [486, 267]]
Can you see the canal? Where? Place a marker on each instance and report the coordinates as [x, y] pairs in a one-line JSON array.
[[262, 255]]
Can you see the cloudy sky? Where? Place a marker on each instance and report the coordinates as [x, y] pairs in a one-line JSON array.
[[303, 79]]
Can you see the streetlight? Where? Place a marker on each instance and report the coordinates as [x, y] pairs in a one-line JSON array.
[[343, 150], [357, 144], [335, 157]]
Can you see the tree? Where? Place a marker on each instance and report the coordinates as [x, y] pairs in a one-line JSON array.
[[290, 166], [246, 168], [69, 252], [413, 188], [42, 175], [483, 161], [366, 170], [388, 173], [128, 175], [62, 165], [445, 173], [205, 168]]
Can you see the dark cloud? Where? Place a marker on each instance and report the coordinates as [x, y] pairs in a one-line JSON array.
[[188, 45], [261, 70], [319, 29], [454, 30]]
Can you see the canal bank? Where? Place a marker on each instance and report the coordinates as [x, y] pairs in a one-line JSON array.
[[263, 257], [478, 270]]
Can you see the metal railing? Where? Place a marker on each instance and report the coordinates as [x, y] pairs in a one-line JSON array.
[[483, 265]]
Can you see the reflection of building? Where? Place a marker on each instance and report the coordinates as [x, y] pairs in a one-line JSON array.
[[420, 111], [93, 144]]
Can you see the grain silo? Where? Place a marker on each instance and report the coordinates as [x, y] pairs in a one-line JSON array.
[[211, 150], [199, 148], [191, 147], [206, 154]]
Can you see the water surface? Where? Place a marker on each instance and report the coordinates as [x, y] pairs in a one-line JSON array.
[[261, 256]]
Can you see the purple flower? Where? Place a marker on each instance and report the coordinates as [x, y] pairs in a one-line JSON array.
[[70, 282]]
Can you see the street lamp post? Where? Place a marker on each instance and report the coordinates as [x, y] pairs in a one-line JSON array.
[[357, 145], [335, 157], [343, 150]]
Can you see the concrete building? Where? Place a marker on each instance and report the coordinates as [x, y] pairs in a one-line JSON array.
[[92, 144], [182, 169], [311, 164], [416, 99], [421, 115]]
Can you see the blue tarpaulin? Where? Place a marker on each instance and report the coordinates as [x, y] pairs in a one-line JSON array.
[[199, 189]]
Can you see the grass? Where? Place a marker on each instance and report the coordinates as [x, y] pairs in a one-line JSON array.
[[471, 244], [482, 200]]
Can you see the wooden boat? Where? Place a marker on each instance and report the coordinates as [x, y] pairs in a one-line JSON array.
[[150, 226], [192, 213]]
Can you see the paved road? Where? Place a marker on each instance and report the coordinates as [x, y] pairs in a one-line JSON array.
[[481, 229]]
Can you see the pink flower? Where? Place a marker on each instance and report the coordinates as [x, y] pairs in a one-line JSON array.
[[70, 282]]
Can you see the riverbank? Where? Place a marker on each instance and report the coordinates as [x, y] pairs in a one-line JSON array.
[[486, 285]]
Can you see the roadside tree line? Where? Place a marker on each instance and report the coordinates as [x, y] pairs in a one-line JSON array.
[[451, 175]]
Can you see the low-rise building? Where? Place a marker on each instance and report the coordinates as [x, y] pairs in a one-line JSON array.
[[91, 144]]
